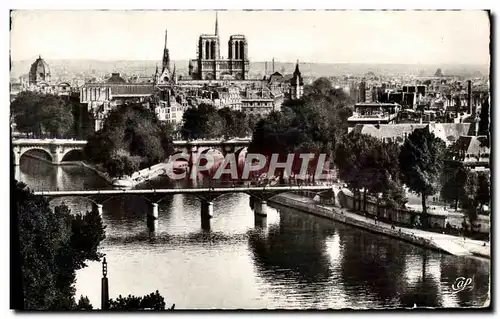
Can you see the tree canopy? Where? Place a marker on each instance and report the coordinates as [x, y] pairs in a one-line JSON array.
[[484, 118], [153, 301], [54, 244], [205, 121], [132, 138], [366, 163], [42, 115], [453, 179], [312, 124], [421, 162]]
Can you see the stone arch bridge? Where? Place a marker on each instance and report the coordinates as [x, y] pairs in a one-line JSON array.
[[58, 149]]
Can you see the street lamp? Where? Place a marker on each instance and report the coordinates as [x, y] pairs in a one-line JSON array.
[[104, 267], [104, 286]]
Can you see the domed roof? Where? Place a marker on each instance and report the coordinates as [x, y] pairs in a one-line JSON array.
[[40, 66], [39, 71]]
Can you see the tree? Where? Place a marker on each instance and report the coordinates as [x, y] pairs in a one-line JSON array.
[[84, 304], [484, 118], [42, 113], [352, 160], [483, 194], [200, 122], [54, 245], [132, 138], [366, 163], [453, 179], [24, 112], [56, 116], [420, 162], [153, 301], [470, 201]]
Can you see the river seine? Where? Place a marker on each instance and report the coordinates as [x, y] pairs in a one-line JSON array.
[[291, 260]]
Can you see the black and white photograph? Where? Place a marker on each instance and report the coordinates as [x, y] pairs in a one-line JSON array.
[[170, 160]]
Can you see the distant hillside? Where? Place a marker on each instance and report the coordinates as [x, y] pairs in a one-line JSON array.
[[77, 68]]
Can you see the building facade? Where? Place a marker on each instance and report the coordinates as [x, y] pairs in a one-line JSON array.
[[210, 66]]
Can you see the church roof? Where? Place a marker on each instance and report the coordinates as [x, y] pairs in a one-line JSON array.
[[132, 89], [125, 89]]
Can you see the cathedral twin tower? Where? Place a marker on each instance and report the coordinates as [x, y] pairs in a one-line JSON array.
[[210, 66]]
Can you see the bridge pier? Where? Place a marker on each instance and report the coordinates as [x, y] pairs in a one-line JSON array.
[[99, 209], [260, 207], [152, 219], [260, 221], [17, 156], [207, 210]]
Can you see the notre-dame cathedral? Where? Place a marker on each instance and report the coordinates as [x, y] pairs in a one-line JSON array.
[[210, 66]]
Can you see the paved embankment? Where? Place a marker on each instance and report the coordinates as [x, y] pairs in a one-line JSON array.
[[451, 244]]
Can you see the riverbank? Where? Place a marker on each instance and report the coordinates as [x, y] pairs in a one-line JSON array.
[[446, 243], [132, 180]]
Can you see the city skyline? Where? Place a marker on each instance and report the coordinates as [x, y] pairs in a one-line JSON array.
[[396, 37]]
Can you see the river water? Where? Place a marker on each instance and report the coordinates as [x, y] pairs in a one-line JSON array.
[[290, 260]]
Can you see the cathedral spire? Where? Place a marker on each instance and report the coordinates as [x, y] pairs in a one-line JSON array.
[[166, 33], [216, 24], [297, 67], [166, 56]]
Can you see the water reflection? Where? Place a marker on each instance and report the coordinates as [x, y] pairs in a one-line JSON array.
[[286, 260]]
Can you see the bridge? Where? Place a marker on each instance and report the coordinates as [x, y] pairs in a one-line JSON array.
[[258, 197], [58, 150]]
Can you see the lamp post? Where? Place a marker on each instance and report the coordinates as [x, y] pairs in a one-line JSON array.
[[104, 286]]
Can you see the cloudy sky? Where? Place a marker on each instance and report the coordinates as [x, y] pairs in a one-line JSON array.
[[427, 37]]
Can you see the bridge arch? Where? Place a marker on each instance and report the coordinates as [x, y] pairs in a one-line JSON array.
[[26, 150], [70, 153]]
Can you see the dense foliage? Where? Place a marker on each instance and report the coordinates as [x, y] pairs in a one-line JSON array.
[[421, 162], [476, 194], [484, 118], [132, 138], [42, 115], [313, 124], [54, 244], [366, 163], [453, 179], [153, 301], [205, 121]]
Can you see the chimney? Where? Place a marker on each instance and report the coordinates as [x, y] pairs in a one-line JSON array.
[[273, 65], [265, 70], [469, 95]]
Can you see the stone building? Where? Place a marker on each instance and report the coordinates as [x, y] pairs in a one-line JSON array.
[[210, 66], [101, 98], [169, 106]]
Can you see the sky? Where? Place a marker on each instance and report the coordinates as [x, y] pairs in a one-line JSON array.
[[409, 37]]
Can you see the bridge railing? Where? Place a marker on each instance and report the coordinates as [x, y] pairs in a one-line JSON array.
[[294, 188]]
